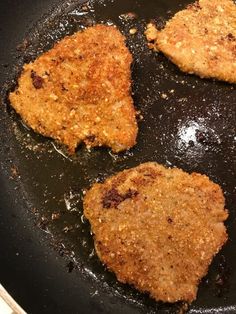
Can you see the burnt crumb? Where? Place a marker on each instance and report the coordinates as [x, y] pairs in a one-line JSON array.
[[43, 223], [91, 138], [63, 88], [139, 116], [14, 171], [70, 266], [55, 216], [35, 211], [21, 47], [234, 51], [201, 137], [129, 16], [169, 220], [148, 172], [191, 143], [130, 194], [85, 6], [152, 42], [231, 37], [87, 21], [222, 278], [151, 175], [206, 31], [28, 58], [61, 59], [194, 6], [36, 80], [214, 58], [183, 308], [148, 176], [58, 60], [207, 138], [159, 22], [113, 198]]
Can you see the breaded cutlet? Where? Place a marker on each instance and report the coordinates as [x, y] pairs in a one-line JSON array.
[[200, 39], [157, 229], [80, 91]]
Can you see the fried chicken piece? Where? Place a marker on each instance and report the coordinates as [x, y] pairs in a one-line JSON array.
[[201, 39], [80, 91], [157, 228]]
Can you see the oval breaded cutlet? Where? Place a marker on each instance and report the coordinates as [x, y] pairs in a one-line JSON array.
[[80, 91], [201, 39], [157, 228]]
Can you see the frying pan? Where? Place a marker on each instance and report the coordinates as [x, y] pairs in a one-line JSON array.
[[47, 259]]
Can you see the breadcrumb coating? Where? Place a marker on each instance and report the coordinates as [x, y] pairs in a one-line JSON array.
[[80, 91], [157, 228], [201, 39]]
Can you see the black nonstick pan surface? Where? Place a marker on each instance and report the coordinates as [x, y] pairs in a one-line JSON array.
[[47, 259]]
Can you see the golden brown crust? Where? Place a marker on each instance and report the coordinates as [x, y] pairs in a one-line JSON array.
[[200, 39], [157, 228], [80, 90]]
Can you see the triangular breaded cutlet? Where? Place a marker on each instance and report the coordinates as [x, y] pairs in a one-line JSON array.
[[80, 91], [201, 39]]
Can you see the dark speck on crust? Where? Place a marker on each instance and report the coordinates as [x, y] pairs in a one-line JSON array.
[[130, 194], [91, 138], [113, 198], [63, 88], [231, 37], [37, 80]]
